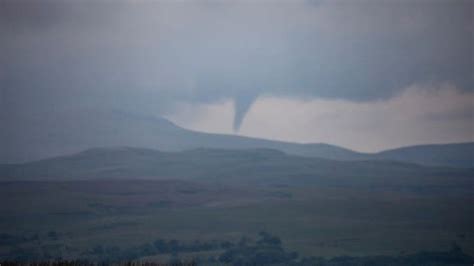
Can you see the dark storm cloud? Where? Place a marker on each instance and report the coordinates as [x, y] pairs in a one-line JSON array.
[[147, 56]]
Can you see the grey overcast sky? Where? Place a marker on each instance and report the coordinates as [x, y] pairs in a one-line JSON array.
[[367, 75]]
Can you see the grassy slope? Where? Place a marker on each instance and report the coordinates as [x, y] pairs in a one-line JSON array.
[[313, 220], [256, 165], [317, 206]]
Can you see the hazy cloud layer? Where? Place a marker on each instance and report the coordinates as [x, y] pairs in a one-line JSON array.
[[419, 115], [149, 56]]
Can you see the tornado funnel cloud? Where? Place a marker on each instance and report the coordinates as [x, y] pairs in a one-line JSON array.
[[242, 105]]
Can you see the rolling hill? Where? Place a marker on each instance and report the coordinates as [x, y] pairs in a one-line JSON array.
[[255, 166], [64, 133], [61, 133], [457, 155]]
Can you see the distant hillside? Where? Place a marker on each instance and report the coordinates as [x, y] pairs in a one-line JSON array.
[[70, 132], [64, 133], [458, 155], [240, 166]]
